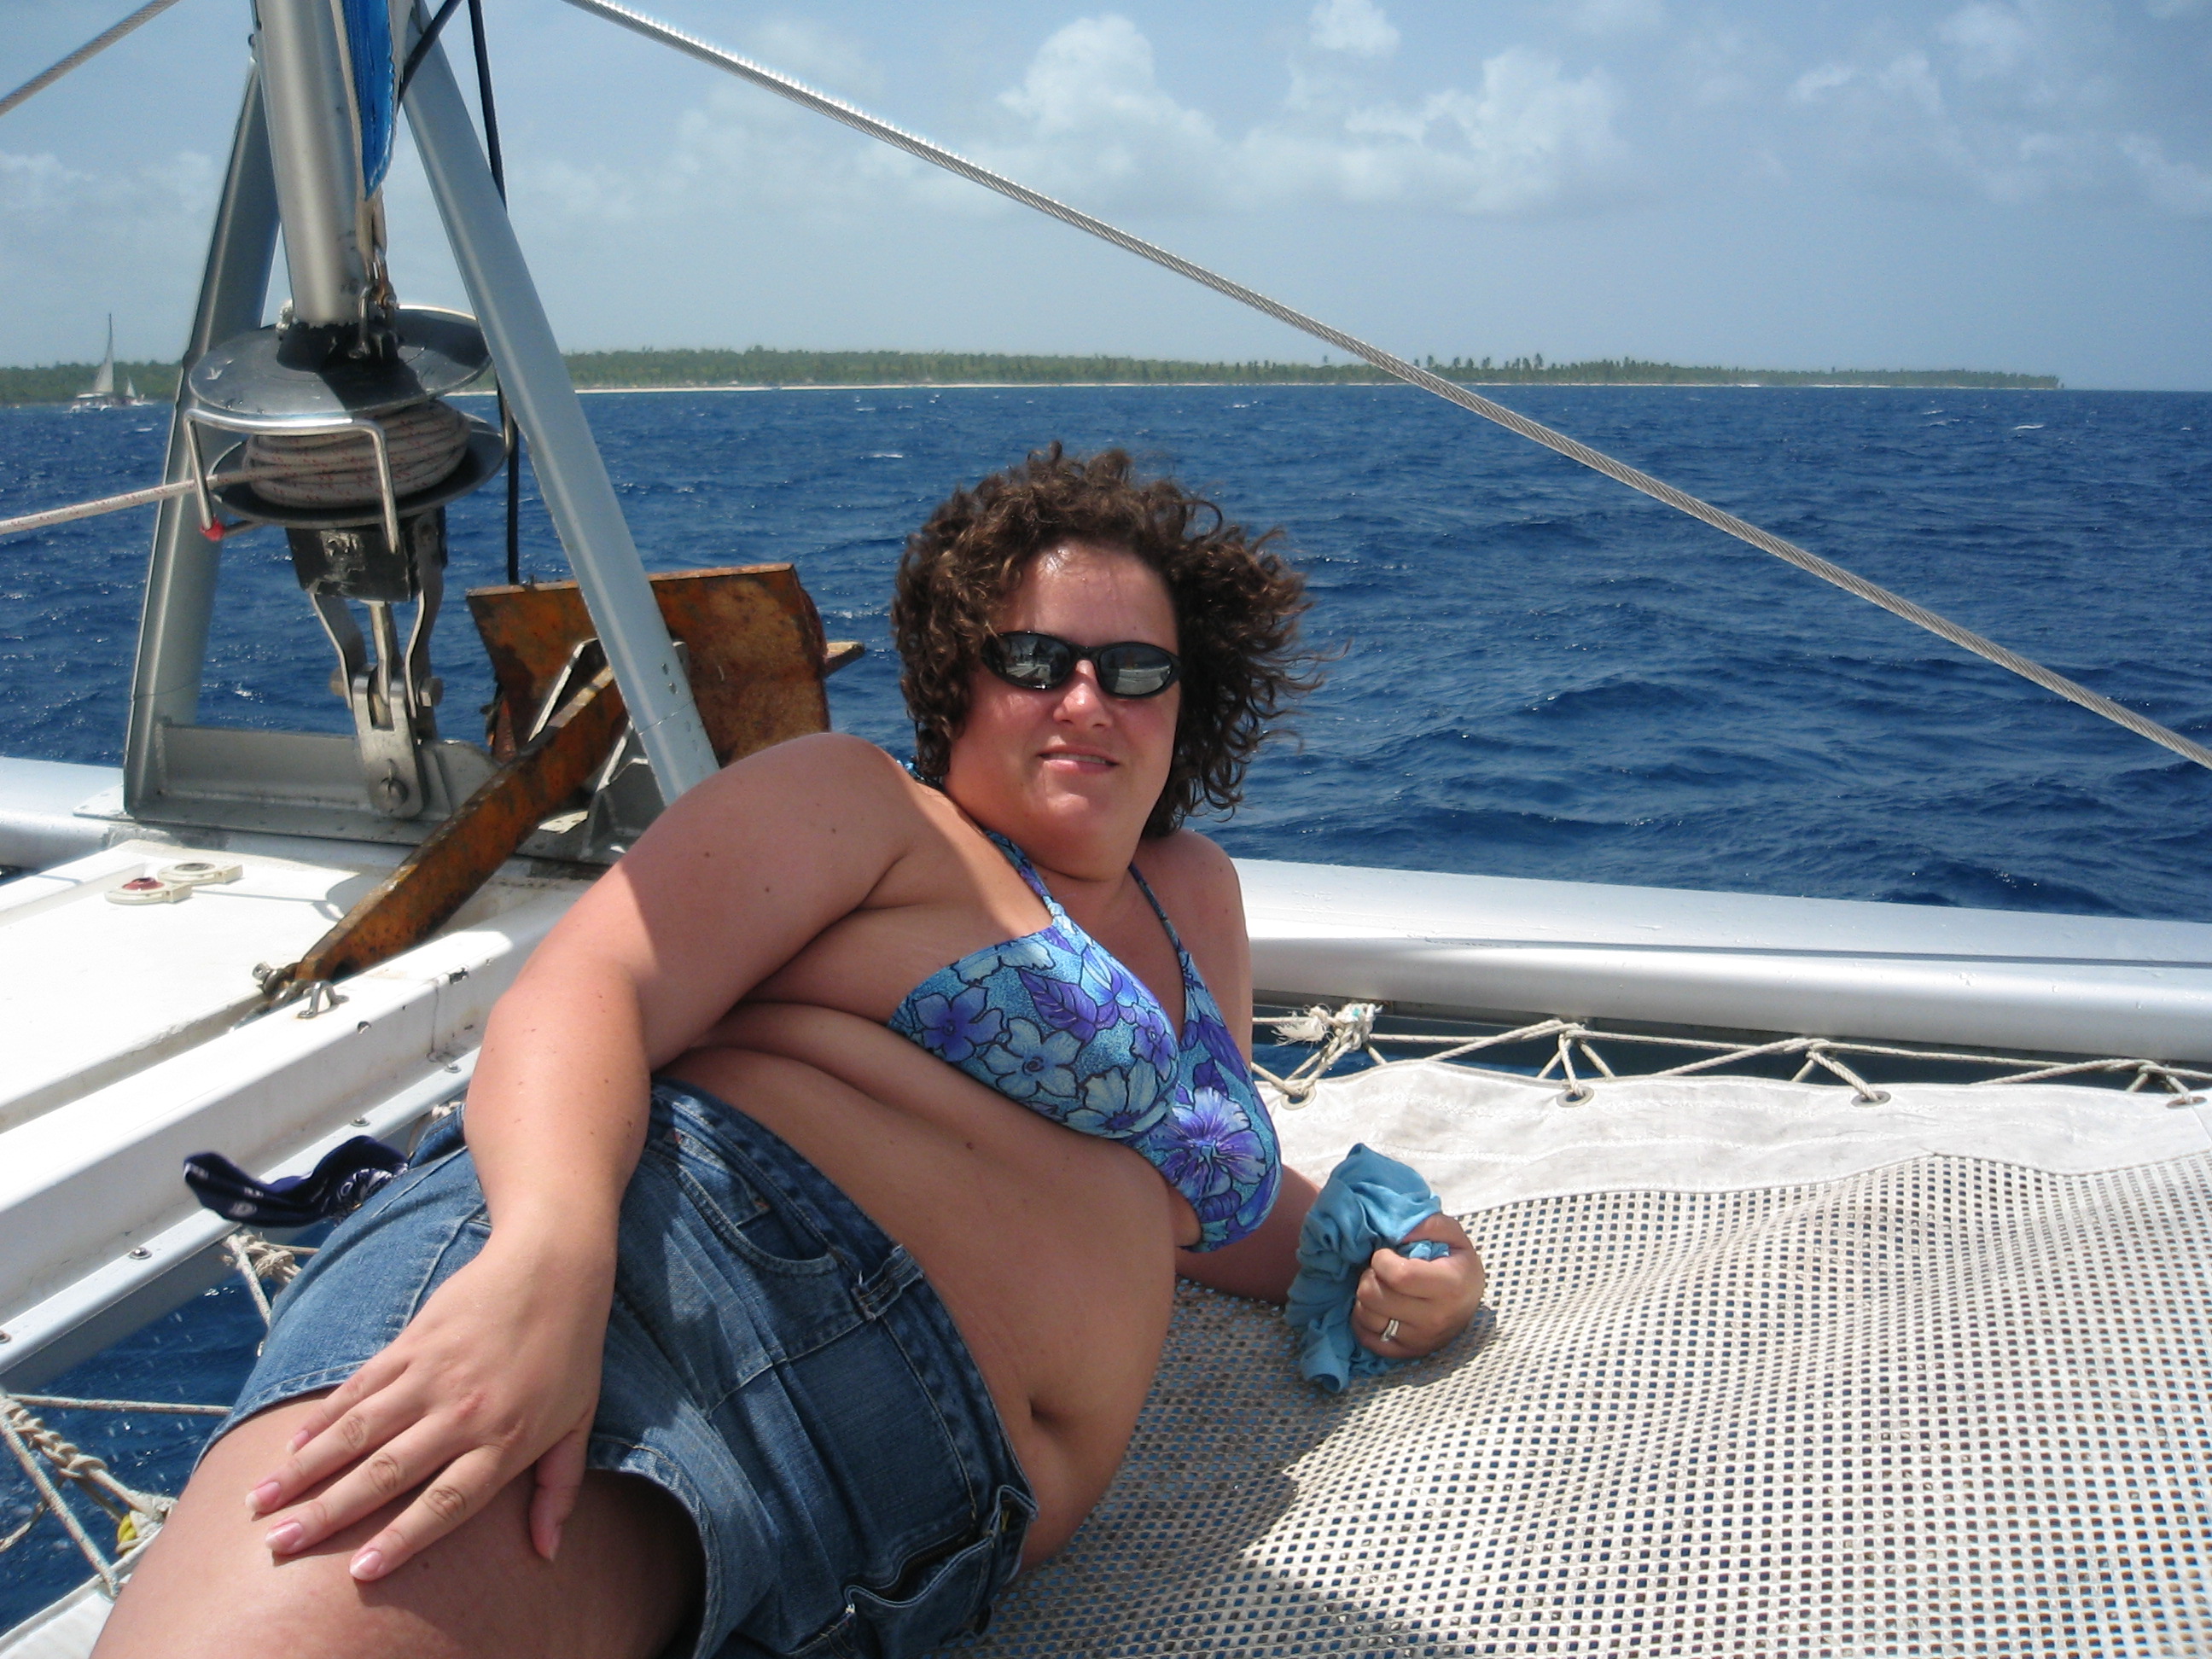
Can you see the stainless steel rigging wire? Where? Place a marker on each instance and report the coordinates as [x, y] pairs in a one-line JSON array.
[[92, 48], [837, 110]]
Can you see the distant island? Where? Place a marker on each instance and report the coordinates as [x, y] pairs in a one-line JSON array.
[[157, 382], [759, 366]]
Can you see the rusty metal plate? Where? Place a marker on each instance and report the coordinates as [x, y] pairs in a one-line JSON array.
[[757, 654], [439, 877]]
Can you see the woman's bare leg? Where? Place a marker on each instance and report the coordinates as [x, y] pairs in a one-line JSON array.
[[627, 1579]]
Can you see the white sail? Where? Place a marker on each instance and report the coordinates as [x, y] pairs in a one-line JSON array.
[[103, 384], [101, 394]]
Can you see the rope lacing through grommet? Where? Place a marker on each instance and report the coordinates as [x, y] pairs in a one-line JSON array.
[[1337, 1033], [56, 1466]]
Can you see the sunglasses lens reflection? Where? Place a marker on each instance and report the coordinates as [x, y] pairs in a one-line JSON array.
[[1135, 671], [1042, 662], [1036, 660]]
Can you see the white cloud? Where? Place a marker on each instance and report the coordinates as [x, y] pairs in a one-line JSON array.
[[180, 184], [1357, 27], [34, 184], [741, 148], [1718, 65], [817, 54], [1101, 127], [1611, 17], [1096, 75], [130, 241], [1096, 124], [1529, 138], [1908, 75], [2175, 185], [1089, 120], [2019, 117], [1815, 84], [1990, 40], [1911, 77]]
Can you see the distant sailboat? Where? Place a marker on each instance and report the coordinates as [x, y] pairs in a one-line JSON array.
[[101, 394]]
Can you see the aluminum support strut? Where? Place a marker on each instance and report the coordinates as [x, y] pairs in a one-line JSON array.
[[165, 685], [570, 471]]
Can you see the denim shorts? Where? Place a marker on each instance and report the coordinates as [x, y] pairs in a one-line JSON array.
[[773, 1362]]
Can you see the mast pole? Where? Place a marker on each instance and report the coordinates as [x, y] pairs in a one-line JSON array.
[[318, 160]]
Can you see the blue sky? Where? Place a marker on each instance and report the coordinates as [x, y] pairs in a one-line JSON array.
[[2005, 184]]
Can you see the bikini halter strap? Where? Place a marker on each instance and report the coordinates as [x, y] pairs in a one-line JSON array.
[[1027, 870]]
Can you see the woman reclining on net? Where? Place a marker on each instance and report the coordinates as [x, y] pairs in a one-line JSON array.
[[794, 1289]]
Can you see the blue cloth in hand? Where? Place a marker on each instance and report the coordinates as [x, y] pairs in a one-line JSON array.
[[1370, 1202]]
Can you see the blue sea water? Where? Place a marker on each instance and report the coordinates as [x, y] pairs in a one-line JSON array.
[[1542, 674], [1539, 673]]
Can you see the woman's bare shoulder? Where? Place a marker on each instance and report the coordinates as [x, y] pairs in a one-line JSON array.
[[1195, 880], [824, 777], [835, 759], [1184, 856], [828, 810]]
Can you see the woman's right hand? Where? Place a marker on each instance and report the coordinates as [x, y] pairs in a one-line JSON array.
[[499, 1370]]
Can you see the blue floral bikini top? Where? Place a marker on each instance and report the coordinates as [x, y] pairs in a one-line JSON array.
[[1053, 1021]]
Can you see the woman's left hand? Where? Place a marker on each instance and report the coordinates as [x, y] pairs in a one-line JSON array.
[[1405, 1307]]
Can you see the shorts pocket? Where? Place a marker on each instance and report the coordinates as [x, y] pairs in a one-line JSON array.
[[937, 1597], [762, 1233]]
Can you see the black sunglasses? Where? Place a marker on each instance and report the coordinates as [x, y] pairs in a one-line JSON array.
[[1042, 662]]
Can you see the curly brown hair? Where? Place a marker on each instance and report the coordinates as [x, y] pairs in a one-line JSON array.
[[1237, 607]]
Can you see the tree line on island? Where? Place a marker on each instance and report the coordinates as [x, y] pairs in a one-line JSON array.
[[760, 366]]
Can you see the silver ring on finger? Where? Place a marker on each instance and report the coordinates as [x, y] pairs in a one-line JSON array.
[[1390, 1331]]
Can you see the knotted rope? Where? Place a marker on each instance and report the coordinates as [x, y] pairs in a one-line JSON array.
[[38, 1448], [1351, 1030], [1338, 1032], [46, 1456]]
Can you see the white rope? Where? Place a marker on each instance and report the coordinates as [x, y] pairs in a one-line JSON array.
[[256, 1258], [52, 1499], [92, 48], [423, 442], [137, 1515], [1338, 1032], [161, 1408], [837, 110], [71, 1463], [1346, 1031], [130, 498]]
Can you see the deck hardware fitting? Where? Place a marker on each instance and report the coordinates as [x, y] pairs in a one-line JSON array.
[[318, 997], [149, 890], [198, 872]]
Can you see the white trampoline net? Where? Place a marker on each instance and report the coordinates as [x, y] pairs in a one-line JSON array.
[[1947, 1406]]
